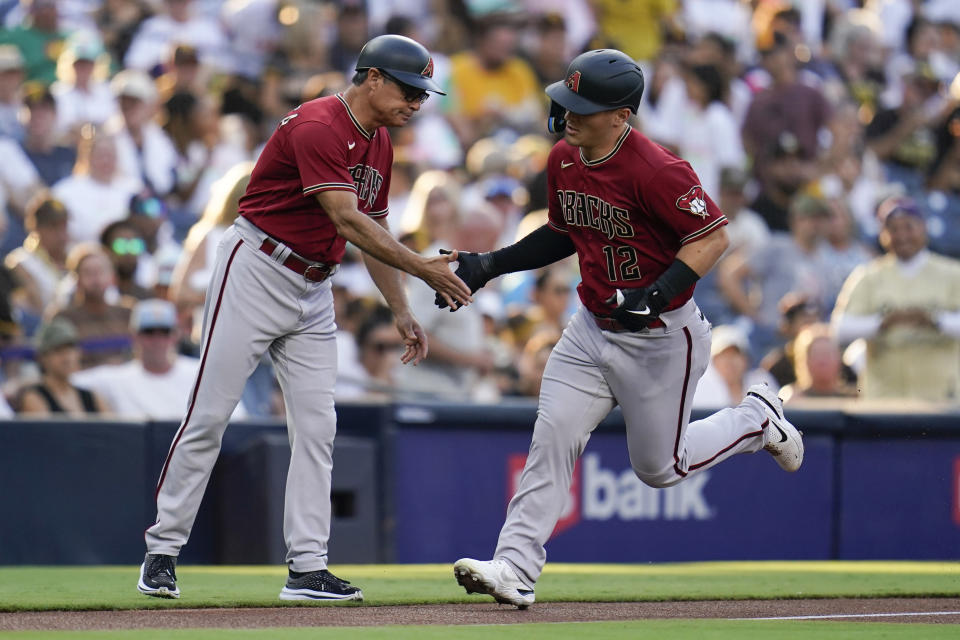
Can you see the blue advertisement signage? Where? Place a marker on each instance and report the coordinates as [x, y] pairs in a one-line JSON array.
[[900, 499], [452, 489]]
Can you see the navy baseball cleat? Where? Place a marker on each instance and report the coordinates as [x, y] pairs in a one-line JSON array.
[[158, 576], [780, 438], [495, 578], [318, 585]]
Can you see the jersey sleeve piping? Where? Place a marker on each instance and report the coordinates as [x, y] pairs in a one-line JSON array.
[[330, 186], [378, 214], [555, 227], [705, 231]]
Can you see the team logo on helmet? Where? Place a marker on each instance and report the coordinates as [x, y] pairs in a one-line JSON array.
[[693, 201], [573, 82], [428, 70]]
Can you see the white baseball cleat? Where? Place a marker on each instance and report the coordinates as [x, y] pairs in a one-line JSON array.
[[780, 438], [495, 578]]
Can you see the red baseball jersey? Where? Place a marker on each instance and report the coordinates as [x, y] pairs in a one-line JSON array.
[[627, 213], [319, 146]]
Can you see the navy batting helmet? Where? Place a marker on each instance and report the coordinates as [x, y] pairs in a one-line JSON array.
[[404, 59], [597, 80]]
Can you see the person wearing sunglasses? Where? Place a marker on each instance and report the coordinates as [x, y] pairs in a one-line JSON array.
[[123, 245], [321, 180]]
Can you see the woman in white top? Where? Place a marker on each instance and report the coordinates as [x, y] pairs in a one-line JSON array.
[[96, 194]]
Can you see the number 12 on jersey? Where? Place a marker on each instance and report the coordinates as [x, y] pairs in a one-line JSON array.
[[621, 263]]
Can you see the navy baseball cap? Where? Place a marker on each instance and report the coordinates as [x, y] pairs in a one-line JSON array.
[[898, 206]]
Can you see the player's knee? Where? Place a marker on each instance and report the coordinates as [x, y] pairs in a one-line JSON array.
[[657, 477]]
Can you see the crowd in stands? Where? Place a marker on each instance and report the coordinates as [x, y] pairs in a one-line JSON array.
[[828, 131]]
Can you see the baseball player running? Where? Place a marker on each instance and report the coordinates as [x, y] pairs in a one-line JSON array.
[[644, 232], [321, 180]]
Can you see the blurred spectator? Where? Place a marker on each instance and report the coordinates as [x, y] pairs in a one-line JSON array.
[[102, 327], [856, 51], [903, 137], [39, 39], [703, 129], [184, 74], [728, 19], [194, 269], [156, 384], [635, 27], [755, 284], [117, 21], [532, 362], [148, 214], [785, 173], [81, 90], [851, 171], [179, 23], [97, 193], [727, 377], [42, 143], [255, 32], [58, 355], [490, 86], [41, 262], [797, 312], [378, 352], [818, 367], [549, 50], [786, 105], [202, 157], [432, 209], [747, 233], [11, 100], [458, 358], [122, 243], [144, 150], [906, 305], [944, 173], [351, 32], [843, 251], [551, 299]]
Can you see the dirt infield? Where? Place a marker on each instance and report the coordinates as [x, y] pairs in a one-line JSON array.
[[925, 610]]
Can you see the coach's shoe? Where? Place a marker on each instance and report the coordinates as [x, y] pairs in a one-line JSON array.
[[781, 439], [158, 576], [318, 585], [495, 578]]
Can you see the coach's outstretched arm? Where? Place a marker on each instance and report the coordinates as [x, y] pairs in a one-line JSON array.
[[390, 284], [361, 230], [537, 249]]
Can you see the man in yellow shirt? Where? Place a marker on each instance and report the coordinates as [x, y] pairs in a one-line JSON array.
[[906, 305], [635, 27], [492, 86]]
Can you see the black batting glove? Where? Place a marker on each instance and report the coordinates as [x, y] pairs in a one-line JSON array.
[[475, 269], [637, 308]]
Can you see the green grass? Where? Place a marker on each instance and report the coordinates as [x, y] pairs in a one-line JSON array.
[[76, 588], [652, 629]]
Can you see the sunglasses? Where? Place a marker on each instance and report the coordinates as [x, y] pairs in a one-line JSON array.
[[128, 246], [156, 331], [410, 94]]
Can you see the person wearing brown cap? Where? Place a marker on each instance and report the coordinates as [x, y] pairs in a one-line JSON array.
[[906, 306], [58, 354], [40, 262]]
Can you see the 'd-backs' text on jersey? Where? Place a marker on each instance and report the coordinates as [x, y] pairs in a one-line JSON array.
[[627, 214]]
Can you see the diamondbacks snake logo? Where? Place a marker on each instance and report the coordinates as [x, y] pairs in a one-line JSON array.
[[693, 201], [573, 82]]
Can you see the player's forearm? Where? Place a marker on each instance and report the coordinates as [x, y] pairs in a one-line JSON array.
[[389, 282], [376, 241], [537, 249]]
